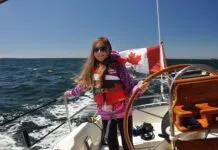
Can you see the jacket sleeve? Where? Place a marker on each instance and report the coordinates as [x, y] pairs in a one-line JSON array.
[[125, 78], [77, 90]]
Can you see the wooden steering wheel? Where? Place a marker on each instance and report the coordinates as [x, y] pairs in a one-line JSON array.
[[132, 98], [148, 79]]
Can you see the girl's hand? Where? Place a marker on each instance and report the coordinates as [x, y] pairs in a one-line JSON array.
[[142, 86], [68, 94]]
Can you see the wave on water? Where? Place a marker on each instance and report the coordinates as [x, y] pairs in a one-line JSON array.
[[38, 125]]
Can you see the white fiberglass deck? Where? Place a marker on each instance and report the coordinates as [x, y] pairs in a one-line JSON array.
[[152, 115]]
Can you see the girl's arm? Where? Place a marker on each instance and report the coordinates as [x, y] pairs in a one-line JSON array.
[[125, 78], [74, 92], [128, 81]]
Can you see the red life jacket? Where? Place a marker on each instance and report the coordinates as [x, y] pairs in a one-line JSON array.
[[113, 91]]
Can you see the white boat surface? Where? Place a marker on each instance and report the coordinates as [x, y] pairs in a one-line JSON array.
[[91, 133]]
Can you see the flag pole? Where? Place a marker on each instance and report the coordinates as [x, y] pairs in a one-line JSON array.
[[161, 48]]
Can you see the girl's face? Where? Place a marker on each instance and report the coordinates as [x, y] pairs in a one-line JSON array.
[[101, 51]]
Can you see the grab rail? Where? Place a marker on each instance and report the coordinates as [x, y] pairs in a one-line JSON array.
[[28, 143], [67, 114]]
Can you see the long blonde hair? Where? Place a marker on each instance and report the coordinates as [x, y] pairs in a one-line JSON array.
[[86, 76]]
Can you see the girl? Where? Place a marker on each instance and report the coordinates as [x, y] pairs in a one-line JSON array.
[[111, 83]]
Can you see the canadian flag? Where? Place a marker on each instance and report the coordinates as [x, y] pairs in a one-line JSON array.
[[144, 60]]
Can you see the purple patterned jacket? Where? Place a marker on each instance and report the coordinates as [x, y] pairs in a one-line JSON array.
[[105, 111]]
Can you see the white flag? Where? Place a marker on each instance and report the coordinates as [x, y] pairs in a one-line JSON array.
[[143, 60]]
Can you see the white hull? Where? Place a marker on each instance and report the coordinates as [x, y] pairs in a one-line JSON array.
[[76, 139], [92, 134]]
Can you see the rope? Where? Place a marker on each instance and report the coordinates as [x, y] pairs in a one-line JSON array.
[[28, 112], [93, 118]]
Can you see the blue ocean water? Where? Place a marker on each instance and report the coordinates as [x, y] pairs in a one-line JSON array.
[[25, 81], [26, 84]]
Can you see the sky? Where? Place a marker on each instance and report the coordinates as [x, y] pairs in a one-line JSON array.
[[67, 28]]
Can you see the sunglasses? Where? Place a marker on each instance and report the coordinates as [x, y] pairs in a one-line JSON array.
[[102, 49]]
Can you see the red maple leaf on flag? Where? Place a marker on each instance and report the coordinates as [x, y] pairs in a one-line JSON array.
[[133, 58]]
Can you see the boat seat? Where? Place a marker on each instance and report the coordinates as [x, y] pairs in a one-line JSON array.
[[195, 102]]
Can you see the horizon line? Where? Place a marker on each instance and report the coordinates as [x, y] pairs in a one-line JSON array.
[[86, 58]]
